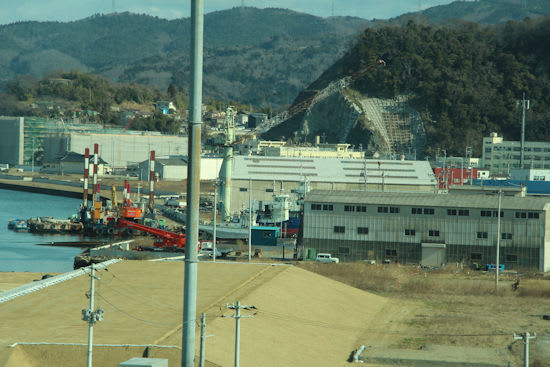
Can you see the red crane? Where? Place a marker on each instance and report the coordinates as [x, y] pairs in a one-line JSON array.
[[164, 239]]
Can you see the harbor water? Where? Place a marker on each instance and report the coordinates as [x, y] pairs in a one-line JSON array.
[[19, 251]]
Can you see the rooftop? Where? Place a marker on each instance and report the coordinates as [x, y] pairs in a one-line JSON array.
[[333, 170], [481, 201]]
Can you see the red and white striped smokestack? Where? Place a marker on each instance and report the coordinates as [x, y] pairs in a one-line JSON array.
[[152, 180], [125, 193], [86, 175], [94, 178]]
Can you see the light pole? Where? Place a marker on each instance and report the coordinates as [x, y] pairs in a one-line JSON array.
[[498, 239]]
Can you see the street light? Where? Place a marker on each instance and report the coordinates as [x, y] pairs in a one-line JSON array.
[[498, 238]]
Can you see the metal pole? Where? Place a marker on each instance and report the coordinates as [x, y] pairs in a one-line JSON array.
[[249, 219], [237, 332], [522, 132], [91, 321], [215, 214], [525, 337], [32, 156], [193, 187], [203, 337], [498, 239]]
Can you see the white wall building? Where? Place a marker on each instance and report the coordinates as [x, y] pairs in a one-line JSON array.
[[118, 150]]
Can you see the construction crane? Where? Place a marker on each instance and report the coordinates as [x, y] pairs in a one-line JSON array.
[[164, 238]]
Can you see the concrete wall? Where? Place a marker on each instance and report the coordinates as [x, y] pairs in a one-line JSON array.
[[117, 149], [12, 140]]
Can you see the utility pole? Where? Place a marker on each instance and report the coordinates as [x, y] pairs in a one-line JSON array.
[[215, 214], [91, 316], [193, 186], [249, 219], [525, 337], [237, 318], [524, 106], [203, 340], [498, 239]]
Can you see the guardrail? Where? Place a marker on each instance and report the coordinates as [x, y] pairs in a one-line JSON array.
[[44, 283]]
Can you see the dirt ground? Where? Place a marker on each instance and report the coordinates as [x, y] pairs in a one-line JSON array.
[[298, 318]]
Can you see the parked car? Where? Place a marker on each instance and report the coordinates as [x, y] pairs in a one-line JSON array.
[[326, 258]]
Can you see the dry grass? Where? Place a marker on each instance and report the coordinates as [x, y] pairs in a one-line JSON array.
[[409, 280], [461, 307]]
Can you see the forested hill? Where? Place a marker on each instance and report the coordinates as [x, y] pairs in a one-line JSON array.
[[466, 79], [485, 12], [260, 56]]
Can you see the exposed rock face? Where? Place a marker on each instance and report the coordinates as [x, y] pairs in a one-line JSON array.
[[384, 126]]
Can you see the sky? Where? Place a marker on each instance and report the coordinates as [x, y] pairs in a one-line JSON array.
[[68, 10]]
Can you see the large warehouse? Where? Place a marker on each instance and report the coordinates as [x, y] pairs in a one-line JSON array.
[[289, 175], [429, 229], [118, 150]]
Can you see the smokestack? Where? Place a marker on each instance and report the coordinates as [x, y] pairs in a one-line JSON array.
[[86, 175], [152, 181], [94, 178]]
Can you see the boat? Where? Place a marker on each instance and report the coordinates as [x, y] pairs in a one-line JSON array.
[[20, 225], [271, 214]]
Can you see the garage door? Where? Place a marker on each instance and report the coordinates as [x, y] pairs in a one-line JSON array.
[[433, 254]]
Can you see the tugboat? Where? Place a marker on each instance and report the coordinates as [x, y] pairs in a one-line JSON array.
[[18, 225]]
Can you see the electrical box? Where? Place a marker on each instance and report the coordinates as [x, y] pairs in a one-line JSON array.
[[144, 362]]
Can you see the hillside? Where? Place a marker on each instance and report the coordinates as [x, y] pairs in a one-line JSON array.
[[282, 50], [464, 80]]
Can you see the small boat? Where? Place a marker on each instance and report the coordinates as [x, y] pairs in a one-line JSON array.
[[21, 226], [11, 223]]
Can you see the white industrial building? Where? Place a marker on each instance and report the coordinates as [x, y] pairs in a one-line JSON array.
[[501, 156], [119, 150], [429, 229], [12, 140], [174, 168], [291, 175]]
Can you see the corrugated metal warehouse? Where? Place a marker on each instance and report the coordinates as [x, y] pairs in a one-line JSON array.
[[271, 175], [432, 229]]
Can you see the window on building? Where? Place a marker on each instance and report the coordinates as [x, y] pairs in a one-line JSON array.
[[243, 189], [416, 210], [495, 214], [362, 230], [506, 236], [349, 208], [475, 256], [328, 207], [361, 208], [433, 233], [533, 215], [522, 215], [268, 190], [429, 211], [391, 252], [394, 209], [316, 206], [267, 234], [464, 212], [410, 232], [382, 209], [511, 258], [339, 229], [482, 235], [451, 211]]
